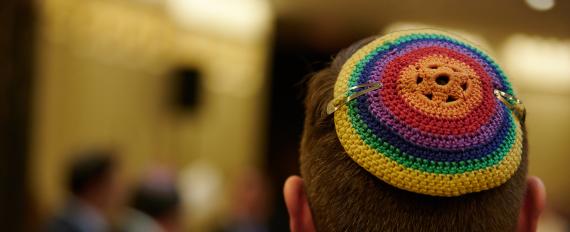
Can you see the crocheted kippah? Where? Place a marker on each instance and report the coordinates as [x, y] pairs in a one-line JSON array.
[[427, 112]]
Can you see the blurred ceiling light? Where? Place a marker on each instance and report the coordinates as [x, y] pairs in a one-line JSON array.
[[469, 36], [538, 62], [236, 19], [540, 5]]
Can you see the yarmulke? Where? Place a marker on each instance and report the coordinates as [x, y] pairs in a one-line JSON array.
[[427, 112]]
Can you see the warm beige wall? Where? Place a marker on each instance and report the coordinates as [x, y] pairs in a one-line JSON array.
[[102, 81], [548, 125], [539, 67]]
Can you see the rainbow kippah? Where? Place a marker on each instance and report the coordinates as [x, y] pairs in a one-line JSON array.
[[429, 113]]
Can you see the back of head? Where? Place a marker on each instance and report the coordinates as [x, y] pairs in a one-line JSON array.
[[89, 170], [157, 197], [156, 203], [348, 192]]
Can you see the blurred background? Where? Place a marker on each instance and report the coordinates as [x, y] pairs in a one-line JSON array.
[[203, 98]]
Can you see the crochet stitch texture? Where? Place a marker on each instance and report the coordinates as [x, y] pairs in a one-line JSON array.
[[435, 127]]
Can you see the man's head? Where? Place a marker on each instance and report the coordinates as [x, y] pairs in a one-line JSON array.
[[338, 194], [157, 196], [93, 178]]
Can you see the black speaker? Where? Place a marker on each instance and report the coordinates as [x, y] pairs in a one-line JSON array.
[[186, 88]]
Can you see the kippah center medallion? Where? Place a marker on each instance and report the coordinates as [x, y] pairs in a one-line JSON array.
[[441, 83]]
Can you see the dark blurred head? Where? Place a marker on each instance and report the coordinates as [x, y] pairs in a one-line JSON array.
[[157, 196], [93, 178], [91, 170], [156, 203]]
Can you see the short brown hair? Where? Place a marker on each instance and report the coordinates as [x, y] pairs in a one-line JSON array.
[[345, 197]]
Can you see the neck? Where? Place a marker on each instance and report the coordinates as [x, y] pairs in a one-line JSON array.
[[93, 200]]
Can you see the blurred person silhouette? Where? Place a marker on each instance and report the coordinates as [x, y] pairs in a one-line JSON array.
[[95, 191], [249, 203], [155, 204], [418, 130]]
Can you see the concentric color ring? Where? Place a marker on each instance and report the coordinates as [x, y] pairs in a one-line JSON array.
[[435, 127]]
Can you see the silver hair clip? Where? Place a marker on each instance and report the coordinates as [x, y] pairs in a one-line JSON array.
[[339, 101], [512, 103]]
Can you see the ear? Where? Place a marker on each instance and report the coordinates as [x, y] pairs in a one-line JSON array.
[[533, 204], [300, 218]]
